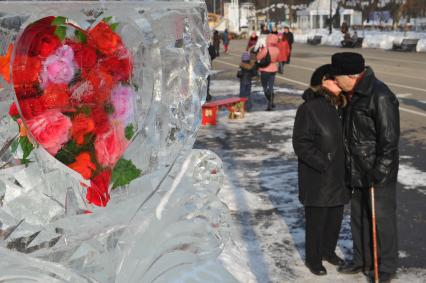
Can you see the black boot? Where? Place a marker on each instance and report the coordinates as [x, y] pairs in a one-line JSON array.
[[352, 268], [334, 260], [268, 98], [271, 104], [317, 270]]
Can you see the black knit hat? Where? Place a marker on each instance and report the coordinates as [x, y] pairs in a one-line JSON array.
[[347, 63], [319, 74]]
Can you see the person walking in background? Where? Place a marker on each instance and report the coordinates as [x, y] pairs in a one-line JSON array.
[[267, 59], [318, 144], [225, 40], [274, 30], [290, 39], [245, 73], [264, 29], [284, 48], [216, 42], [212, 55], [252, 41], [371, 127]]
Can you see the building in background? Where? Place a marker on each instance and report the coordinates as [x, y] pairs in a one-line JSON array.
[[316, 15], [238, 17], [248, 18]]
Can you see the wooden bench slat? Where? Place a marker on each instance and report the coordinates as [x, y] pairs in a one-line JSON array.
[[223, 102]]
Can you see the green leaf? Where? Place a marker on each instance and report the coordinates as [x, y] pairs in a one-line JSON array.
[[59, 21], [107, 19], [124, 172], [88, 138], [61, 32], [26, 146], [80, 36], [85, 110], [14, 145], [68, 153], [114, 26], [129, 131], [109, 108]]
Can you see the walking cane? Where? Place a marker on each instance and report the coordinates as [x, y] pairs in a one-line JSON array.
[[373, 218]]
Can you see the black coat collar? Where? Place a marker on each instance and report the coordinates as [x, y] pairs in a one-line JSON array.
[[366, 84]]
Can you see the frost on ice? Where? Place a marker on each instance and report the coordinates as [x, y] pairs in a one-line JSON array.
[[165, 226]]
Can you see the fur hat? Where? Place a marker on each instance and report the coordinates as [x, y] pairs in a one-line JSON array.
[[347, 63], [319, 74]]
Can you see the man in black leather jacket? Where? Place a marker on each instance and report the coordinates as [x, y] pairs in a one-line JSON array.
[[371, 126]]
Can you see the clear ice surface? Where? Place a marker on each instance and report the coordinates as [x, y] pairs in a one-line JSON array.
[[166, 226]]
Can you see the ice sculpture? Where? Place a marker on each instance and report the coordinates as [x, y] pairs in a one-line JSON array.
[[98, 181]]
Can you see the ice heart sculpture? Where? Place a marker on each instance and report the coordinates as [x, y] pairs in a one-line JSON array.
[[75, 96]]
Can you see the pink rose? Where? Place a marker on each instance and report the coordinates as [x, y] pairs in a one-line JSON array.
[[59, 68], [110, 146], [122, 100], [50, 129]]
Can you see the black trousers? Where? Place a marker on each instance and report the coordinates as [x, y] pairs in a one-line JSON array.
[[387, 242], [268, 79], [322, 231]]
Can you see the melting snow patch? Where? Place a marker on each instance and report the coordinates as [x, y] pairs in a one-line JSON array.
[[412, 178], [402, 254]]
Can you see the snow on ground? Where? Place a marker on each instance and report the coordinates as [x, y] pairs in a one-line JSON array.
[[372, 39], [229, 87], [261, 192]]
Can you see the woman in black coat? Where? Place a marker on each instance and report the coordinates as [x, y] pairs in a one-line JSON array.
[[318, 144]]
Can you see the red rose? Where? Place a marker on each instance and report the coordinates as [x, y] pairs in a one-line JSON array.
[[101, 119], [50, 129], [95, 88], [85, 56], [81, 126], [98, 193], [83, 92], [104, 38], [38, 39], [13, 111], [102, 83], [120, 67], [31, 107], [110, 146], [26, 72], [83, 165], [55, 96], [46, 45]]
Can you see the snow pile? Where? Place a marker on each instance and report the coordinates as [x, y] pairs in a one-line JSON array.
[[372, 39], [421, 45], [230, 87]]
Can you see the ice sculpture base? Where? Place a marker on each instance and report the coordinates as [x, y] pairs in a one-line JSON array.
[[176, 229]]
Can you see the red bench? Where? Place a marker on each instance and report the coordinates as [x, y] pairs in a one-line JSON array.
[[235, 106]]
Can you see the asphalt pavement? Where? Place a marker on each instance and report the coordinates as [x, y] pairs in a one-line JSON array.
[[405, 74]]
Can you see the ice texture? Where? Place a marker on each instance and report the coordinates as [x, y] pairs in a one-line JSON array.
[[167, 225]]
